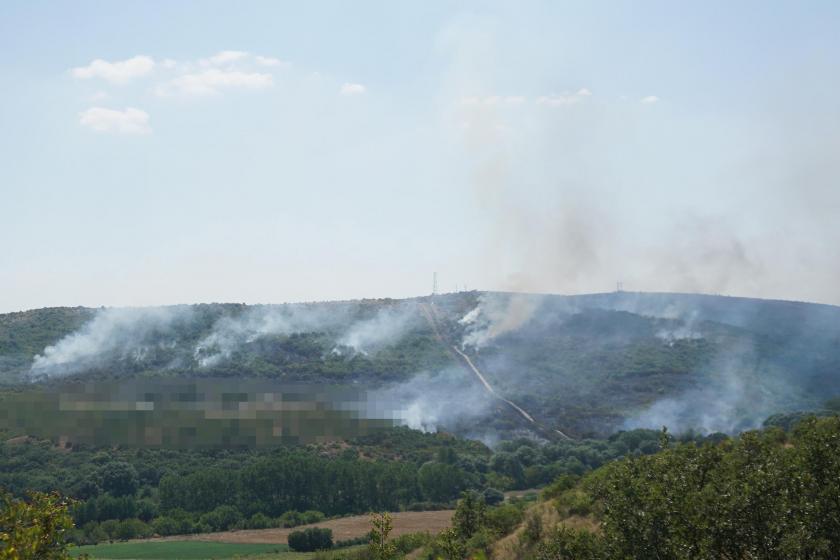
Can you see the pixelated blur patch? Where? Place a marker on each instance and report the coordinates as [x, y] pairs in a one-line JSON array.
[[197, 413]]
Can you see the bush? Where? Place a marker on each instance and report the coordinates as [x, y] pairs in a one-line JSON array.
[[310, 540], [503, 519], [259, 521], [132, 529], [291, 518], [177, 522], [567, 544], [493, 497], [311, 516], [222, 518]]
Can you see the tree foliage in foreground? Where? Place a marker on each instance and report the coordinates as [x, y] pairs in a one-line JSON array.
[[765, 495], [34, 529]]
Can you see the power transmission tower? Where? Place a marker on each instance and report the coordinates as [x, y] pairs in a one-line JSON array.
[[434, 283]]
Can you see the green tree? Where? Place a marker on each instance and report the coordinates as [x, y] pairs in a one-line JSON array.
[[380, 547], [470, 514], [34, 529], [119, 478]]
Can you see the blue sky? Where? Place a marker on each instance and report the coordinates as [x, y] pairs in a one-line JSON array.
[[175, 152]]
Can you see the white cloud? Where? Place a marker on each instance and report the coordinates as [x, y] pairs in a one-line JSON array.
[[224, 57], [583, 92], [352, 89], [649, 99], [212, 81], [493, 100], [119, 73], [129, 121], [99, 96], [270, 61], [169, 63]]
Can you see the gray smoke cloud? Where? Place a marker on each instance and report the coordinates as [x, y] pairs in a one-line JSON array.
[[573, 198], [495, 315]]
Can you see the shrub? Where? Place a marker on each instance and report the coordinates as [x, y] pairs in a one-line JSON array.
[[310, 540], [311, 516], [259, 521], [131, 529], [493, 497], [504, 519], [222, 518]]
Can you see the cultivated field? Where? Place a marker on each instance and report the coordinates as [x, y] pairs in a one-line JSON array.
[[342, 528]]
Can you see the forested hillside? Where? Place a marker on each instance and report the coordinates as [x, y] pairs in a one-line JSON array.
[[587, 365]]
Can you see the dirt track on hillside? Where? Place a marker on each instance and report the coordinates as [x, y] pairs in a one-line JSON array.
[[342, 528]]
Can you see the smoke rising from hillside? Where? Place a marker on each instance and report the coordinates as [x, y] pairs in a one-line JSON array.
[[136, 335], [113, 334], [495, 315], [431, 401]]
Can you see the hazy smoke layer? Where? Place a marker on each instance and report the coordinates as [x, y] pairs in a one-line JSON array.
[[230, 333], [113, 334], [429, 401], [137, 335], [386, 327]]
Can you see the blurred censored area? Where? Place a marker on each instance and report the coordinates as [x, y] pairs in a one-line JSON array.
[[198, 413]]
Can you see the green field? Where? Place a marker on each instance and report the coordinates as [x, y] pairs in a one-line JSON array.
[[181, 550]]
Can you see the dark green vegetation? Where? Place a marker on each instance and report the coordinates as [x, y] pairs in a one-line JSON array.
[[768, 495], [588, 365], [311, 539], [34, 528], [129, 493]]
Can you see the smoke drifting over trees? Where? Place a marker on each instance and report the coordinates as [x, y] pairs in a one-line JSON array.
[[584, 364]]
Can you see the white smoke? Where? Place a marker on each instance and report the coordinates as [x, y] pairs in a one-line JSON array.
[[497, 314], [125, 334], [386, 327], [736, 396], [232, 332], [429, 402]]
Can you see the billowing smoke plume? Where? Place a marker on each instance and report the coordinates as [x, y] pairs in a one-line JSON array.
[[495, 315]]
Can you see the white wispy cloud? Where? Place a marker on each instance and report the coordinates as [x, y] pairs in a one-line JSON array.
[[649, 99], [493, 100], [352, 89], [119, 72], [128, 121], [565, 98], [213, 81], [270, 61], [224, 57]]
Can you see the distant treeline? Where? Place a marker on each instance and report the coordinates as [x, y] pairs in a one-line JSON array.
[[137, 492]]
